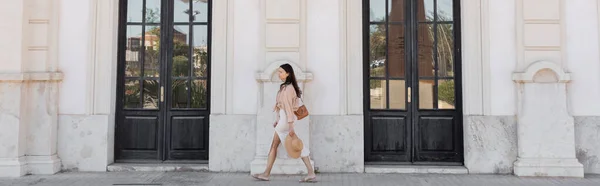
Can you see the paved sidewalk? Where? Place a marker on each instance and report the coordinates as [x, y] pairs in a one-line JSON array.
[[203, 178]]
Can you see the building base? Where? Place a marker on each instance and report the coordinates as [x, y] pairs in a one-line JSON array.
[[564, 167], [43, 164], [13, 167], [281, 166]]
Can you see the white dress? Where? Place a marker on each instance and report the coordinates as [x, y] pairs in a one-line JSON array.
[[283, 129]]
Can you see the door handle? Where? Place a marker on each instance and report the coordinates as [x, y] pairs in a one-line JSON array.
[[409, 95], [162, 93]]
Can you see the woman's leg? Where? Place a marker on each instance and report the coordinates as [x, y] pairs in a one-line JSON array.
[[311, 172], [272, 154]]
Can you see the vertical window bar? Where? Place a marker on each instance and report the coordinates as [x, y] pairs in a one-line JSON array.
[[387, 48], [436, 55], [143, 54], [191, 54]]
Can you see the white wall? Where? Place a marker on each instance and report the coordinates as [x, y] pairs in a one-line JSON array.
[[582, 57], [74, 32], [323, 55], [246, 51], [503, 57]]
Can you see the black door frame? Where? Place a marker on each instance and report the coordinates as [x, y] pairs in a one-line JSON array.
[[164, 111], [412, 112]]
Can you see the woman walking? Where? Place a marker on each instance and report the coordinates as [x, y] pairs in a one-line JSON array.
[[286, 104]]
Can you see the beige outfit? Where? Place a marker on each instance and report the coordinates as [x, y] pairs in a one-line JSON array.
[[286, 104]]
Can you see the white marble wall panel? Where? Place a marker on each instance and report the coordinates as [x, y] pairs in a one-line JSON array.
[[42, 125], [232, 142], [337, 143], [490, 144], [84, 141], [587, 143]]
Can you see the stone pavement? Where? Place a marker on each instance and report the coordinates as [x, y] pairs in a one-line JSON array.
[[204, 178]]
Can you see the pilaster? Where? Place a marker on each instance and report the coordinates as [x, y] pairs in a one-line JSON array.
[[29, 88], [545, 126]]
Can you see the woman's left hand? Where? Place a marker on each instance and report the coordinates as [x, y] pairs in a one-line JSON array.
[[292, 131]]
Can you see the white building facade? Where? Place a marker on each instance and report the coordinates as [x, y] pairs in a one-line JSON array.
[[483, 86]]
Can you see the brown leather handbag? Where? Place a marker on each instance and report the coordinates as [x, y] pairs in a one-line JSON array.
[[302, 112]]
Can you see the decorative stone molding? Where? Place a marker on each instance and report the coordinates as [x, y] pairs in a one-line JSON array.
[[267, 74], [545, 128], [532, 73], [32, 76]]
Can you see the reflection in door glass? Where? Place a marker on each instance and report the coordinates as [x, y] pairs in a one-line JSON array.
[[444, 10], [132, 94], [425, 10], [133, 51], [151, 94], [397, 94], [151, 51], [199, 94], [396, 51], [396, 10], [134, 10], [378, 92], [446, 98], [200, 13], [425, 44], [179, 96], [377, 47], [377, 10], [152, 11], [445, 50], [426, 94], [200, 51], [181, 51]]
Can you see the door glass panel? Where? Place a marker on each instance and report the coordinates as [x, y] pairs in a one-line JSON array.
[[152, 51], [378, 94], [181, 52], [200, 55], [132, 94], [377, 10], [397, 94], [152, 11], [425, 10], [199, 94], [134, 10], [200, 13], [151, 94], [426, 94], [181, 13], [396, 51], [377, 48], [179, 96], [425, 50], [133, 51], [396, 11], [444, 10], [445, 50], [446, 98]]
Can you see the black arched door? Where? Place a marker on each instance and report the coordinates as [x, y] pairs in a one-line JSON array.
[[163, 87], [413, 104]]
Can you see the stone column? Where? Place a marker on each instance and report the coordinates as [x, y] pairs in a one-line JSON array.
[[546, 131], [12, 120], [28, 88], [269, 84]]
